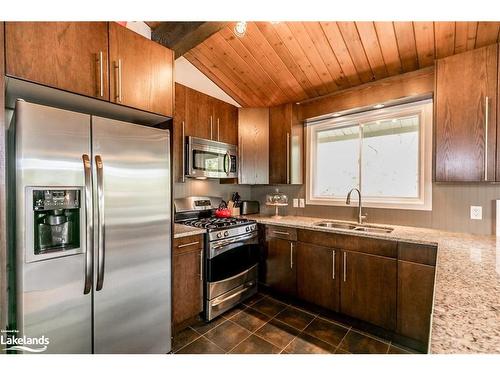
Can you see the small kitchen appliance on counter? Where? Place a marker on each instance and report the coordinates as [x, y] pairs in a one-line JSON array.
[[250, 207], [231, 253], [277, 200]]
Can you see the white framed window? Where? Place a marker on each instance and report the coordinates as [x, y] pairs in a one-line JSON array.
[[386, 153]]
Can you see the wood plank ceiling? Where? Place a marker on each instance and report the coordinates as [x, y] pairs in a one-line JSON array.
[[275, 63]]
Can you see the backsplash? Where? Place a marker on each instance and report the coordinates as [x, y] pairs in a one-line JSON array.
[[450, 208], [210, 188]]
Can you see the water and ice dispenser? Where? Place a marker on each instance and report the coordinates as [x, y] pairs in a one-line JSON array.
[[54, 222]]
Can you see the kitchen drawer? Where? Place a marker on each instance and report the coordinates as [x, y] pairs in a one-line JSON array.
[[417, 253], [285, 233], [186, 244], [361, 244]]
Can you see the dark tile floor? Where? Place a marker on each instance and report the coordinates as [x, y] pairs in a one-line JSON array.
[[264, 325]]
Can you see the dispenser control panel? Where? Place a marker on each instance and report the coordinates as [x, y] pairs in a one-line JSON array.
[[55, 199]]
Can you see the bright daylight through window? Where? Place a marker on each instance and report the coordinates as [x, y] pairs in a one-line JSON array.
[[386, 153]]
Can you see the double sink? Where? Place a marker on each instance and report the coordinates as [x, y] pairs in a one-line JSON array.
[[354, 227]]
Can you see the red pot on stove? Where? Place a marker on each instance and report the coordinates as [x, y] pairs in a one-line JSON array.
[[222, 212]]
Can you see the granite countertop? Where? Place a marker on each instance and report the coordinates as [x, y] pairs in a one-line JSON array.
[[466, 311], [184, 231]]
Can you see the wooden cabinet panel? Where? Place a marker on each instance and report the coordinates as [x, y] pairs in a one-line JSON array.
[[415, 293], [466, 89], [187, 285], [318, 275], [64, 55], [225, 122], [179, 133], [280, 122], [417, 253], [280, 266], [253, 145], [286, 150], [145, 77], [369, 288], [199, 114]]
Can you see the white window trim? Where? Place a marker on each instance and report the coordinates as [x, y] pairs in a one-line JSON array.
[[424, 201]]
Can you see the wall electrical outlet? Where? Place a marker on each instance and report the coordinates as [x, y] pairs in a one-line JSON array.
[[302, 203], [295, 202], [476, 212]]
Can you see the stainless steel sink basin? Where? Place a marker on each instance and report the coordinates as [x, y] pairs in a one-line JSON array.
[[374, 229], [354, 227], [329, 224]]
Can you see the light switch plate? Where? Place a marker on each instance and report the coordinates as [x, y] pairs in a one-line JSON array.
[[302, 203], [295, 202], [476, 212]]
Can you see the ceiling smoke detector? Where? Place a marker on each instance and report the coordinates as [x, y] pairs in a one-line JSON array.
[[240, 28]]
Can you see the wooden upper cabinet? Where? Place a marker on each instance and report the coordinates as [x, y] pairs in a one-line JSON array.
[[225, 122], [318, 275], [286, 148], [71, 56], [466, 116], [368, 288], [179, 133], [199, 114], [141, 71]]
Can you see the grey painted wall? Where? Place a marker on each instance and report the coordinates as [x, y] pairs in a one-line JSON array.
[[450, 208]]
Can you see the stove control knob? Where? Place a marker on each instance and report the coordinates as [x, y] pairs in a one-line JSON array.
[[248, 229], [219, 235], [226, 233]]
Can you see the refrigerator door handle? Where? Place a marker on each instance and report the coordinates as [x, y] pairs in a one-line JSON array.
[[100, 223], [89, 251]]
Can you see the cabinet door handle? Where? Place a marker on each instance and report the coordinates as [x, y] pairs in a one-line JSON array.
[[291, 255], [218, 128], [345, 266], [188, 244], [183, 179], [201, 264], [118, 75], [101, 74], [333, 264], [287, 158], [486, 123], [282, 233], [211, 127]]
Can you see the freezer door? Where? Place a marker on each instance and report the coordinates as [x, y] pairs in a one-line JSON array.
[[50, 299], [132, 265]]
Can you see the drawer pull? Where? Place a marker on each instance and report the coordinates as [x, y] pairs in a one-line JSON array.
[[280, 232], [333, 264], [188, 244]]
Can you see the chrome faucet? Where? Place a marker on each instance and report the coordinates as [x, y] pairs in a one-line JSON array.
[[361, 217]]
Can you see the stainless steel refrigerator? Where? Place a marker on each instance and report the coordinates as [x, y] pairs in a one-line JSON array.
[[93, 232]]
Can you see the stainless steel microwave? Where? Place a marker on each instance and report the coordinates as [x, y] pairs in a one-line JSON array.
[[210, 159]]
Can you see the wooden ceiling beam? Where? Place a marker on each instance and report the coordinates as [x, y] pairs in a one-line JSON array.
[[183, 36]]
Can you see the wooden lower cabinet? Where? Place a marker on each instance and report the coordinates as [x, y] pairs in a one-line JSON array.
[[369, 288], [280, 266], [318, 275], [187, 283], [415, 293]]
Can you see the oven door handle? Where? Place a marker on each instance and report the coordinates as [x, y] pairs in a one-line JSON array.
[[247, 286], [222, 246], [240, 239]]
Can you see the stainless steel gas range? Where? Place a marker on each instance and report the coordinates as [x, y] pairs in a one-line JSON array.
[[231, 253]]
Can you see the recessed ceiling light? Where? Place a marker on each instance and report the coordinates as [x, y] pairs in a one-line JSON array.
[[240, 28], [377, 106], [337, 114]]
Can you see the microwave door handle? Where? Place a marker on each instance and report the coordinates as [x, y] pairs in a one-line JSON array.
[[228, 155], [100, 225]]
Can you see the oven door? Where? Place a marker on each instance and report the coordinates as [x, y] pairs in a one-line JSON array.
[[211, 159], [232, 268]]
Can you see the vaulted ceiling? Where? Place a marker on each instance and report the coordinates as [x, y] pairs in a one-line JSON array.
[[279, 62]]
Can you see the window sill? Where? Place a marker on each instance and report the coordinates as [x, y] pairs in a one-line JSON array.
[[393, 205]]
